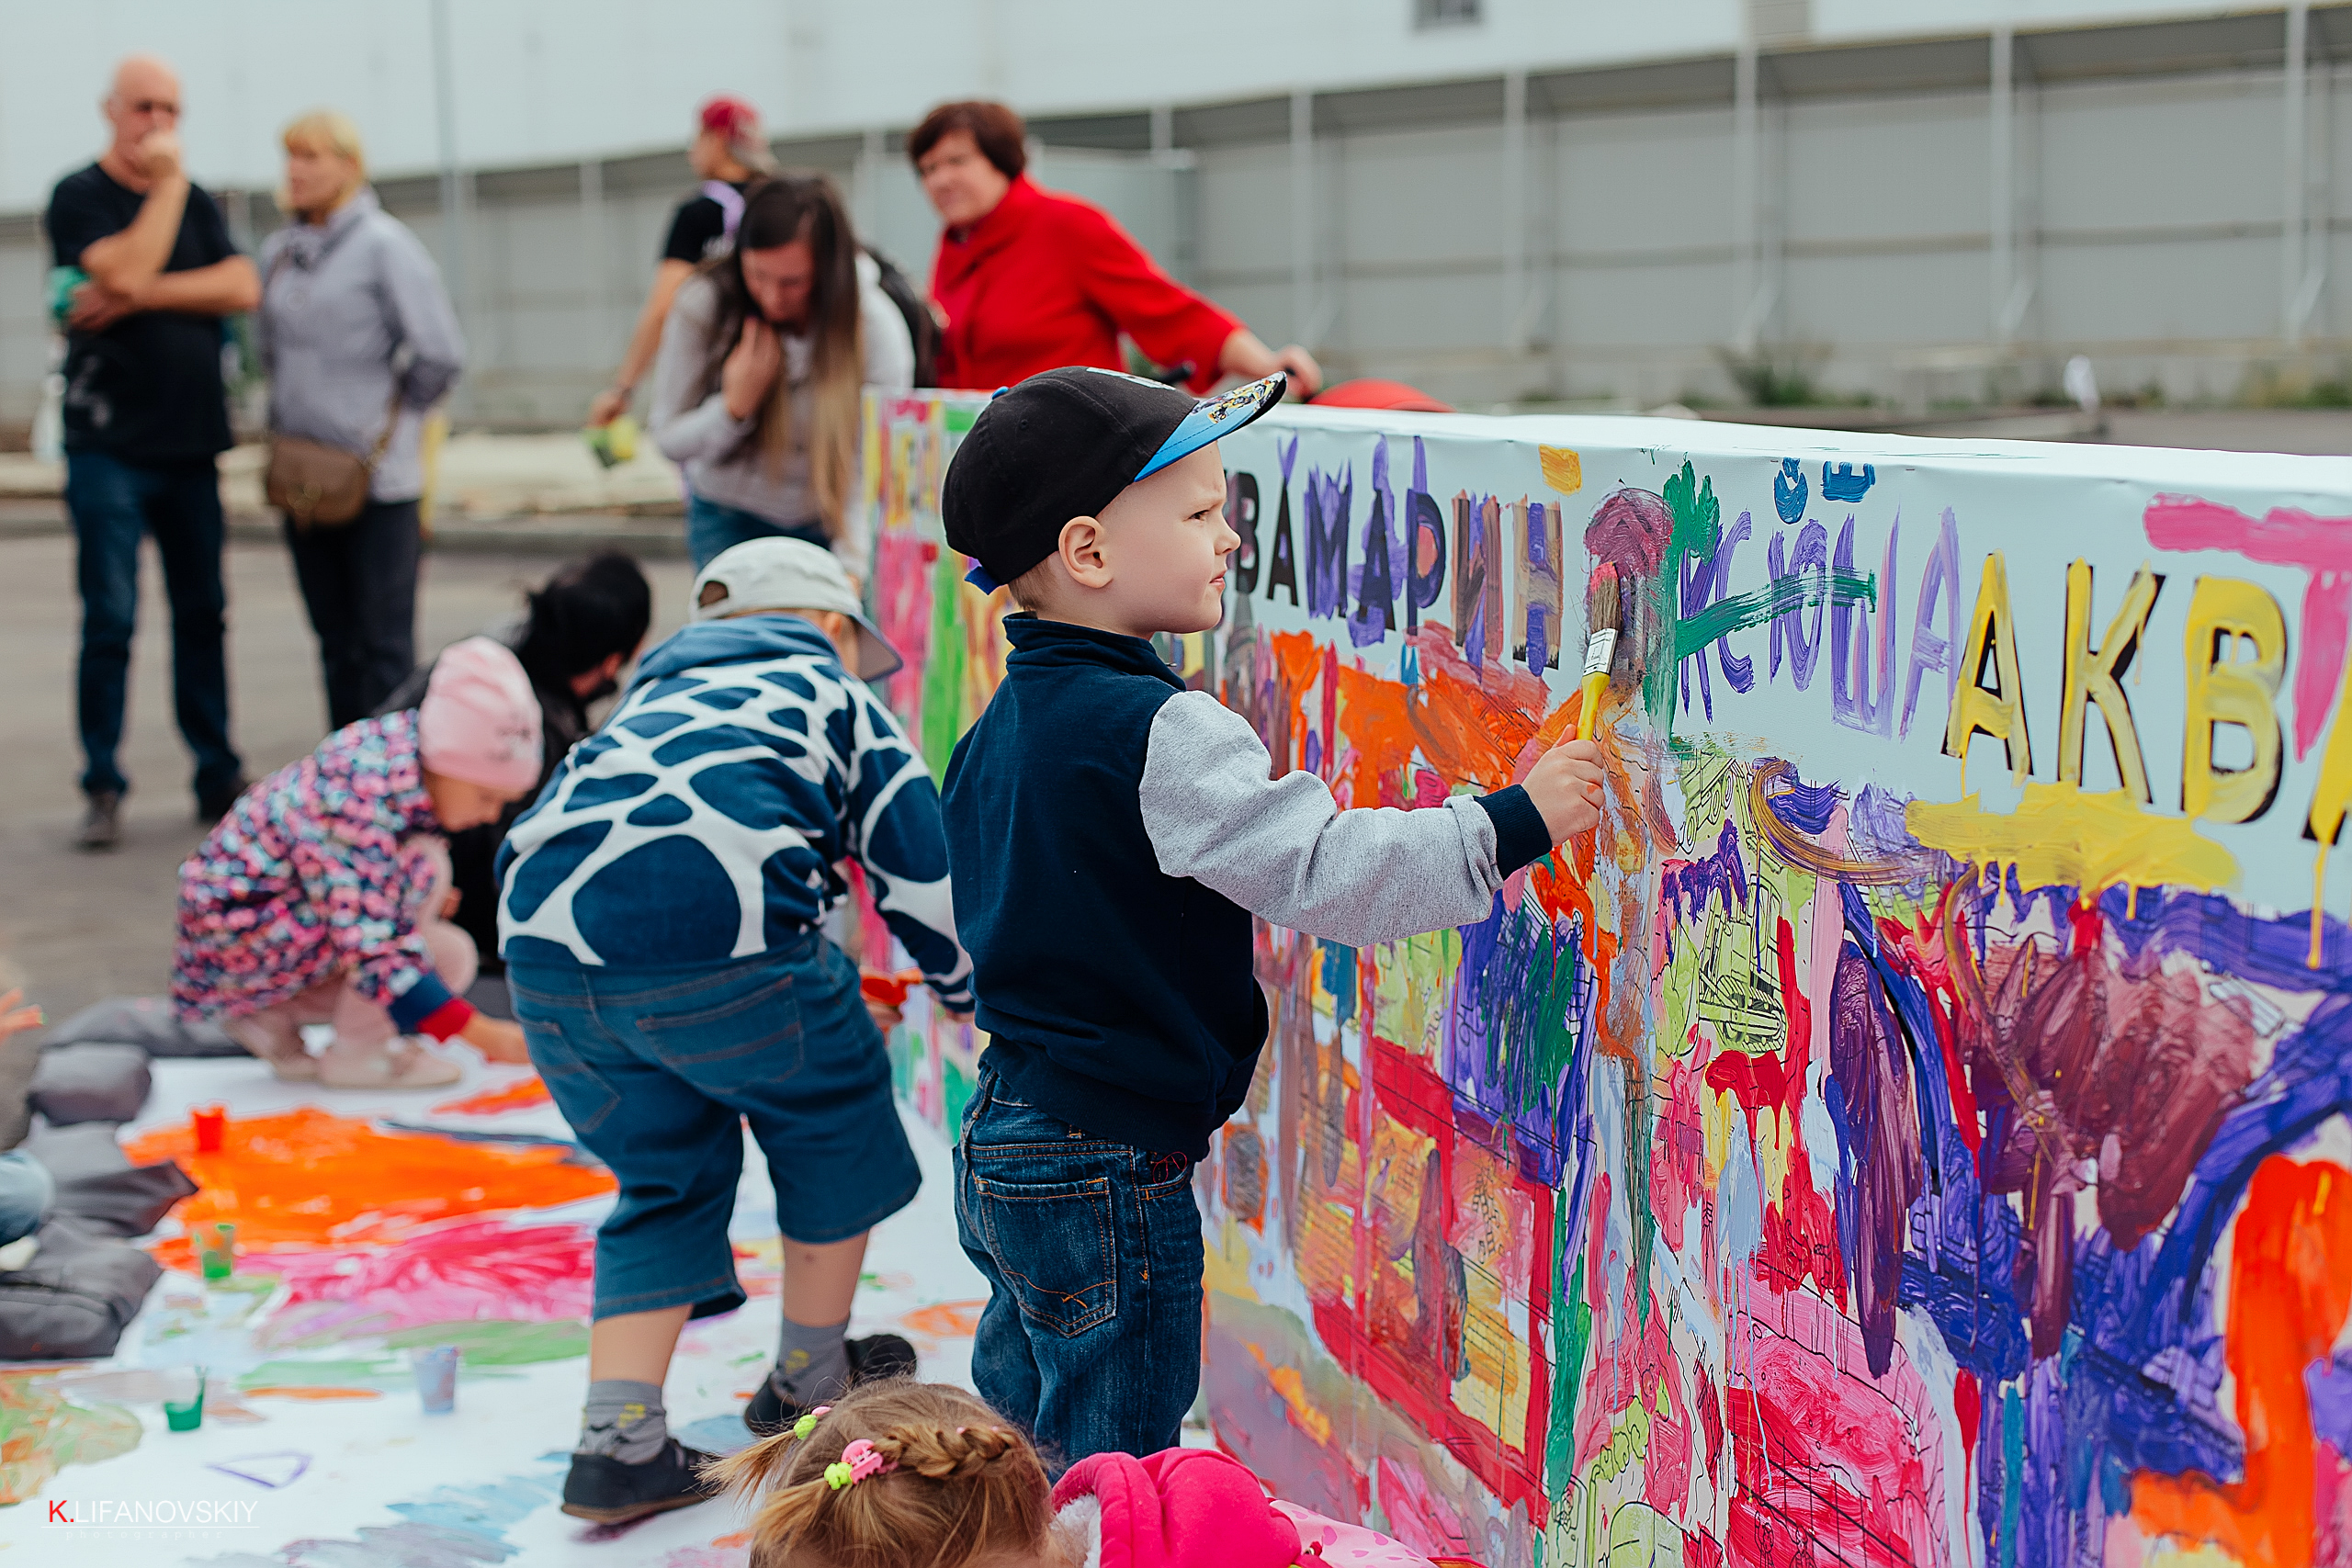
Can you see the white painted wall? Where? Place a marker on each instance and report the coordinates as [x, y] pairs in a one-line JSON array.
[[541, 81]]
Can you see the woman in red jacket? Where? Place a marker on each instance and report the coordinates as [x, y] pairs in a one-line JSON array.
[[1030, 278]]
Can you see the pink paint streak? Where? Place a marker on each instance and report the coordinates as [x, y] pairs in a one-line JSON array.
[[2281, 537], [482, 1269]]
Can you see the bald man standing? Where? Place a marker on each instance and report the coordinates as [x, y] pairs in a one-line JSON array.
[[146, 417]]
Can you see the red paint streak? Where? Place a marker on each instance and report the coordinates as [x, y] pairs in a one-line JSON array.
[[1918, 951], [1968, 1408], [1800, 1231], [1823, 1457], [1677, 1156], [1407, 1093], [2282, 537], [2291, 1285]]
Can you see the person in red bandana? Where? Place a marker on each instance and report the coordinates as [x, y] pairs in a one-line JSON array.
[[1029, 278]]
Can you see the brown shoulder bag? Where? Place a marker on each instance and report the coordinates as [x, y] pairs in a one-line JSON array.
[[320, 486]]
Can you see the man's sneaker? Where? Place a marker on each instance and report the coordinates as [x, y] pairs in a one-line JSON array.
[[211, 805], [871, 1360], [600, 1487], [101, 821]]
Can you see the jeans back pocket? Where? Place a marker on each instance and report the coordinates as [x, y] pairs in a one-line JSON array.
[[1053, 1243]]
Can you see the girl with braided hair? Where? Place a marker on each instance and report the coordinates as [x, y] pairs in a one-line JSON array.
[[904, 1475]]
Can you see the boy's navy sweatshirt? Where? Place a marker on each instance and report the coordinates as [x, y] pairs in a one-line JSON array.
[[1109, 835]]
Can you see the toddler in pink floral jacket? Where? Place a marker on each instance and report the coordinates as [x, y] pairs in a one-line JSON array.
[[322, 896]]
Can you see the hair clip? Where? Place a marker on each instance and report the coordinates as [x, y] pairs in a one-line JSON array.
[[857, 1461], [808, 1423]]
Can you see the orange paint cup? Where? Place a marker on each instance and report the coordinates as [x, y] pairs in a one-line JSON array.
[[211, 1123]]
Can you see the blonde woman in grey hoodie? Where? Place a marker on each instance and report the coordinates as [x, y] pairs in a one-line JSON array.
[[756, 387], [359, 341]]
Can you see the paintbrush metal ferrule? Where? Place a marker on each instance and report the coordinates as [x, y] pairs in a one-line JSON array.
[[1600, 651]]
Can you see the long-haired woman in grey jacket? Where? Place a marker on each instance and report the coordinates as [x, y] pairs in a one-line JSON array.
[[359, 341]]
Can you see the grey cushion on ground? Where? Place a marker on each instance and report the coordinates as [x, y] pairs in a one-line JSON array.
[[72, 1153], [147, 1022], [76, 1296], [18, 1057], [126, 1202], [90, 1083]]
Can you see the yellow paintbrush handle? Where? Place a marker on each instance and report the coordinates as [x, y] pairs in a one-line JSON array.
[[1588, 712]]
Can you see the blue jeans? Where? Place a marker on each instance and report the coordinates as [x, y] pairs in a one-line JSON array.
[[26, 1192], [712, 528], [1091, 1336], [113, 502], [656, 1070]]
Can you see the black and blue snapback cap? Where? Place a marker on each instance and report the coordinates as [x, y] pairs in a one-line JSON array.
[[1063, 444]]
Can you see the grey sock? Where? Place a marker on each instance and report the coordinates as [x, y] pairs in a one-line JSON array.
[[811, 1363], [624, 1420]]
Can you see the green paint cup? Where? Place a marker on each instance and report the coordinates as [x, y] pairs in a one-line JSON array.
[[219, 1250], [183, 1399]]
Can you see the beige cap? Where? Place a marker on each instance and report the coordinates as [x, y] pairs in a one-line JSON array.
[[790, 574]]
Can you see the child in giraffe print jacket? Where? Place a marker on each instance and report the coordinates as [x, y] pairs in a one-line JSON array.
[[661, 924]]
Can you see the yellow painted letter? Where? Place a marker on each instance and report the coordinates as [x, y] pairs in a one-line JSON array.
[[2092, 676], [1999, 711], [2221, 688]]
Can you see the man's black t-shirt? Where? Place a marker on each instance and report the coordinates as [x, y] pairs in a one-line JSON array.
[[147, 388], [698, 230]]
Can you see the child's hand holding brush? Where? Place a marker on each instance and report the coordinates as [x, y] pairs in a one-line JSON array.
[[1567, 783]]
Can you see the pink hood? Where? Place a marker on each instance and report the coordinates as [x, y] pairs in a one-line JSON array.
[[1182, 1508]]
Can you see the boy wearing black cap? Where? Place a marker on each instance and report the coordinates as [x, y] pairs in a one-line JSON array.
[[1110, 834]]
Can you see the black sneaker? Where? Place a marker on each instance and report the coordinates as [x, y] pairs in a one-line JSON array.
[[603, 1488], [101, 821], [871, 1360], [211, 805]]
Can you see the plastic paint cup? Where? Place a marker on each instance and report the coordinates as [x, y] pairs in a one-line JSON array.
[[436, 1370], [219, 1250], [183, 1399], [210, 1122]]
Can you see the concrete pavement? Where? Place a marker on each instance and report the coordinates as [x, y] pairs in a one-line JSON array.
[[79, 927]]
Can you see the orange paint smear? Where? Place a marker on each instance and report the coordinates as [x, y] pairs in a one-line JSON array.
[[2291, 1285], [306, 1179], [523, 1094], [945, 1320], [310, 1391]]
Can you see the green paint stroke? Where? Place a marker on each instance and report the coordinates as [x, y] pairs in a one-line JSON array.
[[943, 677], [1571, 1336], [1743, 611], [324, 1374], [500, 1342], [42, 1432], [1697, 517]]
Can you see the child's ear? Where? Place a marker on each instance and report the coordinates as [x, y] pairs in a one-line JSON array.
[[1082, 554]]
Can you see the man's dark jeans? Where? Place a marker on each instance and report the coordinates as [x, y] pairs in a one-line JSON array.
[[113, 504], [360, 583], [1092, 1252]]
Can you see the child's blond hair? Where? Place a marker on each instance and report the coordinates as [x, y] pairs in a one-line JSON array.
[[964, 1484]]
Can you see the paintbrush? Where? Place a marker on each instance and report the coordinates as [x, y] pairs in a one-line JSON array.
[[1608, 616]]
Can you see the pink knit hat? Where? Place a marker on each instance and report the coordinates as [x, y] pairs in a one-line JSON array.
[[480, 720]]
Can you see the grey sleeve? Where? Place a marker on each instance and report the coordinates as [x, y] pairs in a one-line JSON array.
[[424, 321], [1284, 850], [685, 422]]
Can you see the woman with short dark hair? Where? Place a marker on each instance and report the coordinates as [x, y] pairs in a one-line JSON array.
[[1030, 278], [757, 388]]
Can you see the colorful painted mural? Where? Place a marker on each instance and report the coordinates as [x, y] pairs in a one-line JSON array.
[[1914, 1128]]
